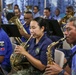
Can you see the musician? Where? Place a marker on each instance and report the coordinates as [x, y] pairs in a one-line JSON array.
[[70, 33], [68, 14], [17, 13], [57, 15], [27, 18], [37, 49], [47, 13], [69, 10], [16, 6], [36, 12], [5, 50]]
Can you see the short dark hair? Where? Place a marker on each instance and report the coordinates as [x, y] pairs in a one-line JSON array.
[[36, 7], [28, 12], [47, 9], [16, 5], [70, 7], [58, 9]]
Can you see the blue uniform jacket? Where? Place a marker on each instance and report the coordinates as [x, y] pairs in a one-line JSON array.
[[39, 50], [74, 61], [28, 31], [5, 47]]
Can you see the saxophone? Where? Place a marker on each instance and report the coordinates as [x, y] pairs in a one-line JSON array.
[[16, 59], [49, 53]]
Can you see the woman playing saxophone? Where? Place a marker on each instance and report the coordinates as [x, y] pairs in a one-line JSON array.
[[36, 52]]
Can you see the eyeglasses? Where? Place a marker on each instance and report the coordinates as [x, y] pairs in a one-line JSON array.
[[66, 29]]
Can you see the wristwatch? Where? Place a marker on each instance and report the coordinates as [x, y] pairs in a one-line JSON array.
[[62, 72]]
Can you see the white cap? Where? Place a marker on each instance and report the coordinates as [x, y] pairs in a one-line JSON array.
[[9, 2]]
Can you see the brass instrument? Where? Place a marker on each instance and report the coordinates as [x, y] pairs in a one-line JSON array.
[[16, 59], [49, 53], [65, 18], [16, 21], [28, 8]]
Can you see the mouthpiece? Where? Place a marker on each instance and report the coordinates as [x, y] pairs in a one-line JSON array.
[[62, 39]]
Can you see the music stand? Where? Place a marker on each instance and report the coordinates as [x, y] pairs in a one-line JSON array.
[[54, 27], [11, 30], [9, 15]]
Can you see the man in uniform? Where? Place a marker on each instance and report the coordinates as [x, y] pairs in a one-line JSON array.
[[5, 51], [70, 33], [27, 17]]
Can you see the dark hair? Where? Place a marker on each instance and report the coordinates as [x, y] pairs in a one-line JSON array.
[[36, 7], [58, 9], [47, 9], [41, 22], [28, 12], [16, 5], [70, 7], [72, 19]]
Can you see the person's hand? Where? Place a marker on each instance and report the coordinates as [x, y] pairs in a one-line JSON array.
[[52, 69], [20, 50]]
